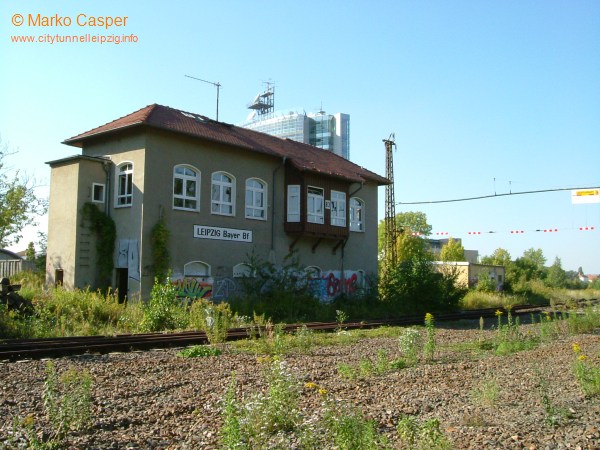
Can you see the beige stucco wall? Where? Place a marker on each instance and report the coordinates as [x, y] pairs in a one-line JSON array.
[[71, 246]]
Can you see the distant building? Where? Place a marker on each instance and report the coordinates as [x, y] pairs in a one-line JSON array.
[[327, 131], [435, 245], [11, 263], [468, 273]]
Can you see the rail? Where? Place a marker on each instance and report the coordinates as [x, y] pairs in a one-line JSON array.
[[18, 349]]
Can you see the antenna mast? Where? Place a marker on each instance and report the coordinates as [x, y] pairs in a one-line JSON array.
[[390, 203], [217, 85]]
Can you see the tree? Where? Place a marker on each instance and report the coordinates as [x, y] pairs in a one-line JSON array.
[[406, 223], [19, 206], [556, 277], [500, 257], [531, 265], [452, 251]]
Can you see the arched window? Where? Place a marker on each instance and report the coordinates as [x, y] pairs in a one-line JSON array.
[[186, 188], [256, 199], [223, 194], [357, 214], [313, 272], [243, 270], [196, 269], [124, 191]]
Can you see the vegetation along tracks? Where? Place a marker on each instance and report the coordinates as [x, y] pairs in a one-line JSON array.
[[18, 349]]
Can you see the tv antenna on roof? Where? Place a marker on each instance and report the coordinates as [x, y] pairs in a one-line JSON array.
[[217, 85]]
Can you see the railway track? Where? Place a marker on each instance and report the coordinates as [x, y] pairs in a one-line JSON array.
[[18, 349]]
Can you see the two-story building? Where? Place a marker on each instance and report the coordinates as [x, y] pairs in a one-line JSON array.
[[223, 192]]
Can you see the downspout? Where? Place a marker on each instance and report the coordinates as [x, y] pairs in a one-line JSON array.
[[106, 167], [343, 280], [272, 251]]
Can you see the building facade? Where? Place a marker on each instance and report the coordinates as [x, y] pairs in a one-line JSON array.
[[223, 192]]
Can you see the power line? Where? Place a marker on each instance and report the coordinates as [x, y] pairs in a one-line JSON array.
[[481, 197]]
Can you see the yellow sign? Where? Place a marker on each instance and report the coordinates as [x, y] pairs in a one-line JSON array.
[[585, 196]]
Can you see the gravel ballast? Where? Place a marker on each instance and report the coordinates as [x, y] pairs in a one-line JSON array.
[[156, 399]]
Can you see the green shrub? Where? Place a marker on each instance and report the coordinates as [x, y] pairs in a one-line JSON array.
[[164, 311]]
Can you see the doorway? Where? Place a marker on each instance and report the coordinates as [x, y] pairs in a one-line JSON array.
[[122, 284]]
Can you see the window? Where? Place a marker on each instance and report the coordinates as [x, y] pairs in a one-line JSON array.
[[223, 194], [256, 199], [357, 211], [97, 193], [313, 272], [338, 208], [315, 203], [124, 185], [243, 270], [186, 192], [196, 269], [293, 203]]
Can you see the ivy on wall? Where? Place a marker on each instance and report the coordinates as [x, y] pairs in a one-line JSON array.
[[159, 240], [104, 228]]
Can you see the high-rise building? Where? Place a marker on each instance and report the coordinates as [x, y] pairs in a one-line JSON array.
[[327, 131]]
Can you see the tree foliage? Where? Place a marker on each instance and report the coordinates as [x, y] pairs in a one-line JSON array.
[[19, 206], [407, 223], [452, 251]]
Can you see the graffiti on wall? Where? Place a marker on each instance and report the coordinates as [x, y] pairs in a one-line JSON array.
[[325, 287], [331, 284], [194, 287]]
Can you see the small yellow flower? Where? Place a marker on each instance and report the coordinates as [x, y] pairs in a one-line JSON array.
[[428, 317], [498, 313], [576, 347], [310, 385], [582, 357], [323, 391]]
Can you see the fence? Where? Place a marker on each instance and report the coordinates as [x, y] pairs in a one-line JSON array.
[[8, 267]]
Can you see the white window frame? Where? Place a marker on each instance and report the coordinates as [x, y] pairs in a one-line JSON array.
[[293, 203], [357, 222], [103, 192], [313, 272], [188, 269], [256, 193], [124, 171], [315, 205], [243, 270], [338, 208], [222, 205], [185, 179]]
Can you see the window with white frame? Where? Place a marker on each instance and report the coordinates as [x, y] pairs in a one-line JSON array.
[[357, 211], [97, 193], [313, 272], [256, 199], [196, 269], [124, 194], [338, 208], [223, 194], [186, 188], [243, 270], [293, 203], [315, 205]]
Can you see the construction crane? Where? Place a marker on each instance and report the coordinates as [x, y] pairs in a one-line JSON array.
[[389, 246]]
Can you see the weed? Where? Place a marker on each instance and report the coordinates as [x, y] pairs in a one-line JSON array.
[[350, 430], [425, 435], [68, 400], [214, 319], [554, 414], [196, 351], [586, 374], [340, 317], [164, 311], [410, 343], [430, 343], [486, 393]]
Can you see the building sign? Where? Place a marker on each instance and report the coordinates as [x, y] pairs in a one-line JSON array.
[[222, 234], [585, 196]]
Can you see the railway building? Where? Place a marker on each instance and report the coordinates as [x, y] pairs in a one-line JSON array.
[[221, 191]]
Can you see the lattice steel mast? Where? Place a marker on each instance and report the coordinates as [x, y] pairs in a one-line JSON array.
[[390, 203]]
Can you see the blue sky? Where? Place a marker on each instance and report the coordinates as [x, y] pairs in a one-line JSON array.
[[483, 96]]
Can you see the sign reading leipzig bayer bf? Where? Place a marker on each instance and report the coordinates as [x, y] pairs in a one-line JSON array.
[[222, 234]]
